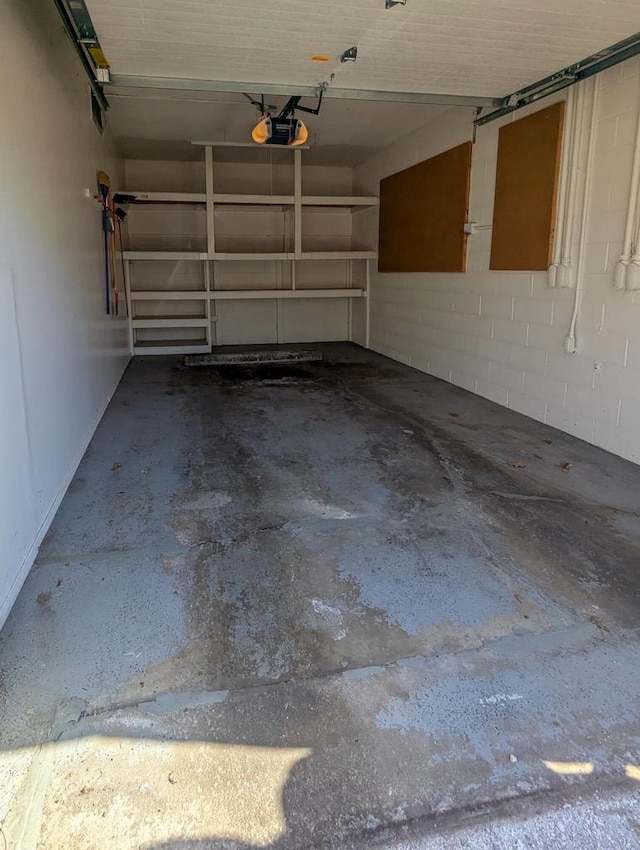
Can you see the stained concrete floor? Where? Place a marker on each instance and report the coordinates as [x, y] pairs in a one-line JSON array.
[[330, 604]]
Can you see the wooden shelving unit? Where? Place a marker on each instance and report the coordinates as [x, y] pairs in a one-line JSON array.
[[196, 332]]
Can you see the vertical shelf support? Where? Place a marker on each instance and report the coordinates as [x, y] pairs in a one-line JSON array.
[[207, 286], [127, 295], [297, 203], [211, 239], [367, 332], [350, 300]]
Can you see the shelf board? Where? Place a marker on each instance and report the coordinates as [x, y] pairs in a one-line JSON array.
[[171, 346], [168, 197], [252, 145], [278, 294], [250, 256], [170, 322], [266, 255], [164, 255], [231, 295], [339, 201], [169, 295], [337, 255], [258, 200]]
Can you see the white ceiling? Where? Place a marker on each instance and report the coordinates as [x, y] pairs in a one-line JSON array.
[[162, 125], [465, 47], [476, 47]]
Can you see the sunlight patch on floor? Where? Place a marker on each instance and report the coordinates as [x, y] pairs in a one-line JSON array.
[[145, 793]]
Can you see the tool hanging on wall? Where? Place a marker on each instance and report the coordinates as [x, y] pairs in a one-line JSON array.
[[112, 258], [120, 216], [104, 186]]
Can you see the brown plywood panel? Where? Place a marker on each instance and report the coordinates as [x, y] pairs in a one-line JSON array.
[[524, 215], [422, 213]]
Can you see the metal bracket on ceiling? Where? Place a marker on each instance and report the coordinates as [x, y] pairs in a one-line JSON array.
[[476, 113], [79, 27], [588, 67], [173, 84], [350, 55]]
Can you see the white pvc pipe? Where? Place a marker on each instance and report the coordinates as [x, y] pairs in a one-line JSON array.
[[562, 194], [621, 269], [570, 342], [563, 275]]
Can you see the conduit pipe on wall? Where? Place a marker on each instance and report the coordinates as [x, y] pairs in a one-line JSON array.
[[565, 169], [564, 274], [622, 269], [632, 270], [570, 341]]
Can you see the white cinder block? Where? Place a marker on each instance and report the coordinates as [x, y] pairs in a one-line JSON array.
[[510, 331], [467, 303], [545, 388], [619, 441], [592, 315], [528, 359], [605, 346], [527, 405], [605, 135], [631, 67], [578, 426], [584, 403], [532, 310], [612, 382], [493, 392], [561, 311], [480, 326], [632, 356], [547, 338], [460, 379], [572, 368], [625, 129], [476, 367], [513, 283], [610, 77], [607, 225], [493, 349], [497, 306], [630, 414], [620, 97], [505, 376]]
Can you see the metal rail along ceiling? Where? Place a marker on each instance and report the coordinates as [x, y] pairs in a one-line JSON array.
[[78, 24]]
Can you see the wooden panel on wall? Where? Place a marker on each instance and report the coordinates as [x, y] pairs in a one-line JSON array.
[[524, 215], [422, 213]]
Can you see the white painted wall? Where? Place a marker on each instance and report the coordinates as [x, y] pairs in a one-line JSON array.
[[501, 334], [61, 355]]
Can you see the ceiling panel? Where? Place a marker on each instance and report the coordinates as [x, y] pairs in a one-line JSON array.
[[475, 47]]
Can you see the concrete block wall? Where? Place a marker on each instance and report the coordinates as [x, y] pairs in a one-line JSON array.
[[501, 334]]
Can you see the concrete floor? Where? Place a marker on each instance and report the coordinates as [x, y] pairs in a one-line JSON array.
[[328, 604]]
